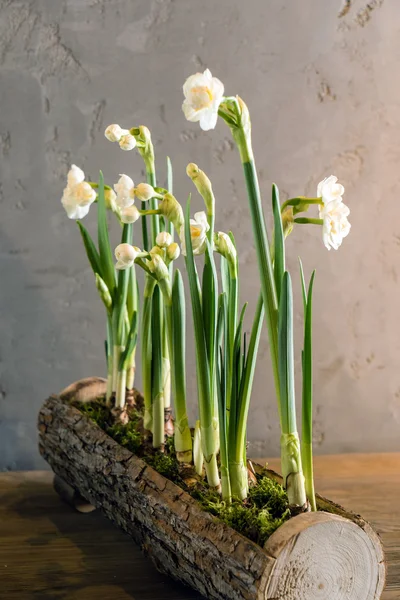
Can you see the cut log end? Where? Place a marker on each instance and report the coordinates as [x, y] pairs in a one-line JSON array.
[[320, 556]]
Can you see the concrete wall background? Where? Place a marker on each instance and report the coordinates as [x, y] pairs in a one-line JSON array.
[[324, 98]]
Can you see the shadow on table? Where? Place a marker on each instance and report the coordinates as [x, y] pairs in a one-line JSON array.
[[84, 556]]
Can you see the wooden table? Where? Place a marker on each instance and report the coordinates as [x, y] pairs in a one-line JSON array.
[[49, 552]]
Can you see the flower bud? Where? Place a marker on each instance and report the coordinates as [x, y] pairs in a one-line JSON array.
[[172, 210], [173, 251], [114, 132], [145, 191], [156, 250], [125, 191], [158, 267], [127, 142], [75, 176], [129, 214], [203, 185], [163, 239], [103, 291], [225, 247], [125, 255], [110, 198]]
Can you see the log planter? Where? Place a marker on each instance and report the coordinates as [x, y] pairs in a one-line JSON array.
[[328, 555]]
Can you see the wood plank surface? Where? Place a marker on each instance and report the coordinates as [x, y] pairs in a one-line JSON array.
[[48, 551]]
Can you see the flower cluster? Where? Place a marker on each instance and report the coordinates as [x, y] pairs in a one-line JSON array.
[[78, 195], [333, 212], [125, 199], [114, 133]]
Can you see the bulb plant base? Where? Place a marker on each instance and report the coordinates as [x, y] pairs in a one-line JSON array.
[[326, 554]]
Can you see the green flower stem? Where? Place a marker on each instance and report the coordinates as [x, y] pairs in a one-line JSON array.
[[146, 351], [292, 473], [307, 221], [121, 389], [157, 376], [110, 346], [243, 141], [232, 324], [206, 401], [131, 372], [240, 451], [307, 400], [183, 437], [300, 200], [174, 302]]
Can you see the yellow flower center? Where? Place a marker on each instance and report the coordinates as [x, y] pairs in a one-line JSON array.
[[201, 97]]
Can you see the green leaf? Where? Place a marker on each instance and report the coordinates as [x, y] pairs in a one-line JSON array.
[[91, 250], [279, 241], [170, 177], [285, 357], [303, 287], [248, 377], [130, 345], [203, 376], [178, 358], [307, 367], [106, 256]]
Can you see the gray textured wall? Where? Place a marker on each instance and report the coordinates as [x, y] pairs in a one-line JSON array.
[[324, 97]]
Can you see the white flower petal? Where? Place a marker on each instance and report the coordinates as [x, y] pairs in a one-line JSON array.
[[75, 175]]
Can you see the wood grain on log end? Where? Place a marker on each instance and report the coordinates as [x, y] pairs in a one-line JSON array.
[[324, 556], [84, 390]]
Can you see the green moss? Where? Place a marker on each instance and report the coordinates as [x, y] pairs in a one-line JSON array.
[[265, 509], [164, 464], [126, 435]]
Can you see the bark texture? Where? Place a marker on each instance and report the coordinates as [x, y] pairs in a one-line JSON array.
[[193, 546]]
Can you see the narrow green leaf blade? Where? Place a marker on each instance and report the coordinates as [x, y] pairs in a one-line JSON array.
[[106, 256], [285, 357], [279, 241], [91, 250]]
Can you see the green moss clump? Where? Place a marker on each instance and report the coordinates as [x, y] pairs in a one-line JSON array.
[[127, 435], [164, 464], [98, 411], [265, 509]]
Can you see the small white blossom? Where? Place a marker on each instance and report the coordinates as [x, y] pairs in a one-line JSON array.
[[145, 191], [110, 198], [198, 233], [173, 251], [203, 95], [125, 190], [336, 225], [125, 255], [114, 132], [78, 195], [127, 142], [75, 176], [163, 239], [329, 190], [130, 214]]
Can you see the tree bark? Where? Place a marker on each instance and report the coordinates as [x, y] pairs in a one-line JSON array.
[[312, 556]]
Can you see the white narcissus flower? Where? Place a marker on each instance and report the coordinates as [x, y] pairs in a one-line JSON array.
[[198, 233], [145, 191], [336, 225], [203, 95], [125, 255], [125, 190], [329, 190], [164, 239], [78, 195], [127, 142], [114, 132], [333, 212], [130, 214]]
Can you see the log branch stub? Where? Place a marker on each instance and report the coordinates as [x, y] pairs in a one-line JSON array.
[[193, 546]]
